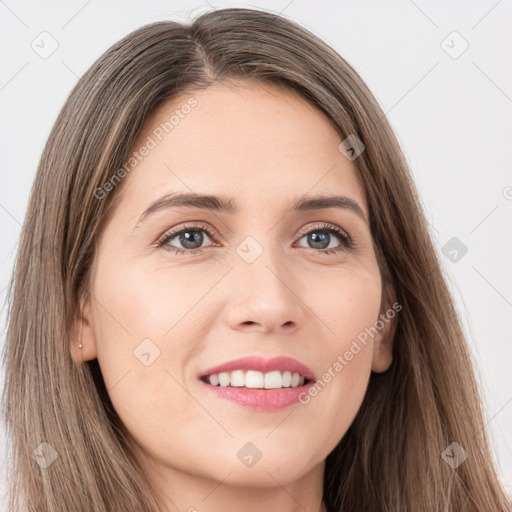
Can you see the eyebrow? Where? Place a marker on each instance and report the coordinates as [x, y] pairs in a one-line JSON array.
[[229, 205]]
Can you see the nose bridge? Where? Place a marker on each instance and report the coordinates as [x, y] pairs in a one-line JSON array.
[[264, 291]]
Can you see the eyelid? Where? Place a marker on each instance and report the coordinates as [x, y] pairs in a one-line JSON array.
[[212, 233], [324, 225], [347, 243], [183, 227]]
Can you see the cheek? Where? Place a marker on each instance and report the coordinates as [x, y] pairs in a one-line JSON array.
[[145, 327], [349, 311], [137, 308], [347, 302]]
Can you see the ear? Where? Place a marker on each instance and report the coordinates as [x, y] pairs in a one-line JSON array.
[[81, 331], [383, 341]]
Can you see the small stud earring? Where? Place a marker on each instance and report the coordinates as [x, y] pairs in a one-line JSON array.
[[80, 336]]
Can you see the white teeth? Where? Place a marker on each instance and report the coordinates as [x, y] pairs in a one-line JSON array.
[[237, 378], [295, 380], [273, 380], [224, 379], [254, 379]]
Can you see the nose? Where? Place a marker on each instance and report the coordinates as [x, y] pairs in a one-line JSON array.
[[265, 297]]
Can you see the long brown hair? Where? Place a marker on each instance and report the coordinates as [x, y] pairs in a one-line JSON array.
[[391, 458]]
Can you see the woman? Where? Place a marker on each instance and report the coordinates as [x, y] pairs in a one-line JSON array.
[[226, 296]]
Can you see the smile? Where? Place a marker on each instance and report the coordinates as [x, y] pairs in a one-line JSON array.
[[254, 379]]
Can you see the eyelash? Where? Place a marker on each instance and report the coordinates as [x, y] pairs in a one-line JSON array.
[[346, 242]]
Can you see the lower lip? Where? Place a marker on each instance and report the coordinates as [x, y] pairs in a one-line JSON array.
[[265, 399]]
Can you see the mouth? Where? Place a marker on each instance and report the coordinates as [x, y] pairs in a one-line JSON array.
[[253, 379], [258, 383]]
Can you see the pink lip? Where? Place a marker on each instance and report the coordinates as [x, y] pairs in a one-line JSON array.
[[260, 364], [266, 399]]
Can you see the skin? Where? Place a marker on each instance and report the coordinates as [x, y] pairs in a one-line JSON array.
[[265, 147]]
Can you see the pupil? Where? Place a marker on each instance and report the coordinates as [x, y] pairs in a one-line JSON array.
[[188, 241], [324, 239]]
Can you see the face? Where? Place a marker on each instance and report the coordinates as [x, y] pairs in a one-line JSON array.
[[181, 288]]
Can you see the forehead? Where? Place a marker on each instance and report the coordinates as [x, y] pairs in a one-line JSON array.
[[262, 144]]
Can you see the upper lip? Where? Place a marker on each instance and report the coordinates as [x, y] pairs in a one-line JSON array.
[[281, 363]]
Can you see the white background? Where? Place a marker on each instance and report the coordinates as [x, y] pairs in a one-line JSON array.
[[451, 115]]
